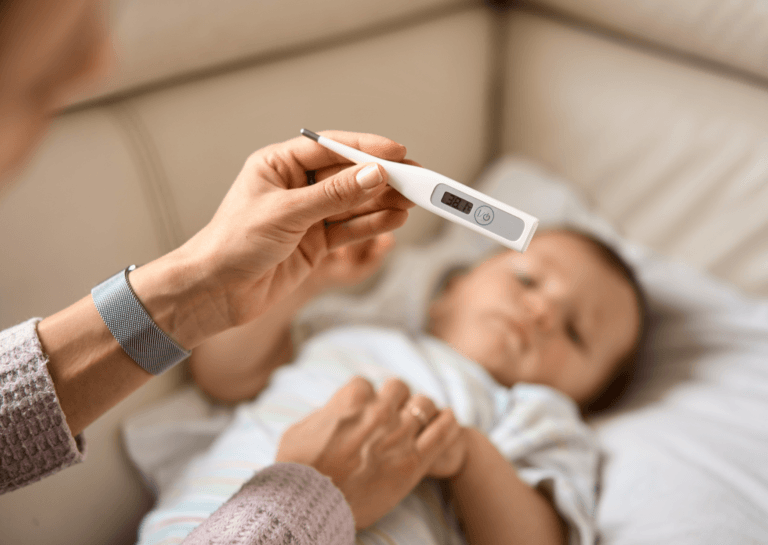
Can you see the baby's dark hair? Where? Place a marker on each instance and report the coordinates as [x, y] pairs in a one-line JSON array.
[[4, 8], [619, 381]]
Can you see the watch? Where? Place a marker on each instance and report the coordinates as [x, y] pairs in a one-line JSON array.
[[132, 326]]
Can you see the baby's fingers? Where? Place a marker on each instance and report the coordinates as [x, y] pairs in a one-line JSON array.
[[439, 435]]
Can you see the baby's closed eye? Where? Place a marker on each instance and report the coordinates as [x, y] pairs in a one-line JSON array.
[[525, 279], [573, 333]]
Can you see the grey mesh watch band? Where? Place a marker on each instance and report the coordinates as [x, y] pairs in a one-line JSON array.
[[133, 328]]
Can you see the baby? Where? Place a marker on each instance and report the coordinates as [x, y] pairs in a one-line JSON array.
[[514, 347], [568, 313]]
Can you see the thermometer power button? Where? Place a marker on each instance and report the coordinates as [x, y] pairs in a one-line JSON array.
[[484, 215]]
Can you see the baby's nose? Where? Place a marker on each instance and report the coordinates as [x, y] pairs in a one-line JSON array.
[[544, 311]]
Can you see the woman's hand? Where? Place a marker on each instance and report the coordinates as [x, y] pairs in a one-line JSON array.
[[352, 264], [375, 446], [270, 232]]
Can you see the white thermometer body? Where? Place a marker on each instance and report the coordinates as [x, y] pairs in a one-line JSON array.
[[448, 198]]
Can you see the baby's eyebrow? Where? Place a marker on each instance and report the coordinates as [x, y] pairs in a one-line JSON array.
[[547, 259], [549, 263]]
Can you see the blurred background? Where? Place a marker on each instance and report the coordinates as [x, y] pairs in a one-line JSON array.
[[657, 111]]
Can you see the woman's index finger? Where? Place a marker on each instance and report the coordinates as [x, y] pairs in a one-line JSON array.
[[312, 156]]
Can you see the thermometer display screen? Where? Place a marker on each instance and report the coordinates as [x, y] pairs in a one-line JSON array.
[[456, 202]]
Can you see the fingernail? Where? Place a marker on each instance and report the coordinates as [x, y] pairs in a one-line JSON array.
[[369, 177]]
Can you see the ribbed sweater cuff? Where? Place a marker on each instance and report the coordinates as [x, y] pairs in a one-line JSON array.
[[35, 440], [283, 503]]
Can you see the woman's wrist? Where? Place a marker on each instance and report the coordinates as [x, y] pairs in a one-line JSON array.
[[90, 371], [187, 301], [181, 298]]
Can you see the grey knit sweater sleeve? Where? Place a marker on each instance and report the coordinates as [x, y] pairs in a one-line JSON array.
[[282, 504], [35, 440]]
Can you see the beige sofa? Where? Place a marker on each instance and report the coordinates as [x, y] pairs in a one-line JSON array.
[[657, 110]]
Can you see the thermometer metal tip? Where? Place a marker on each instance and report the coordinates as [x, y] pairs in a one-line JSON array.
[[309, 134]]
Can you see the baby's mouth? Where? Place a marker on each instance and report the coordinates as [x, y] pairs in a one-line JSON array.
[[516, 336], [519, 333]]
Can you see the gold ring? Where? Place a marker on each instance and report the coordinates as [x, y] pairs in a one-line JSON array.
[[420, 415]]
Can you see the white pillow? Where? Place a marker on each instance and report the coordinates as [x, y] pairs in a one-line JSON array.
[[686, 450]]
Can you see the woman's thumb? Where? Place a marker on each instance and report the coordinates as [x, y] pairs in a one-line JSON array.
[[337, 194]]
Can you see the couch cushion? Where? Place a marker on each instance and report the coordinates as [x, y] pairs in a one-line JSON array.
[[426, 87], [732, 32], [160, 39], [79, 212], [677, 157]]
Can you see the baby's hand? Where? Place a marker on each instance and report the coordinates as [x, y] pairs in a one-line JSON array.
[[450, 462], [350, 265], [371, 445]]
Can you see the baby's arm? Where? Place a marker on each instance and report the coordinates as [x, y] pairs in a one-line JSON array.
[[494, 506], [236, 364]]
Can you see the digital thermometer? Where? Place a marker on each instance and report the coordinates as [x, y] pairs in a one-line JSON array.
[[448, 198]]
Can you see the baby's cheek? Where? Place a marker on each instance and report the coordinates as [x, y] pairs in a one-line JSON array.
[[553, 365], [502, 364]]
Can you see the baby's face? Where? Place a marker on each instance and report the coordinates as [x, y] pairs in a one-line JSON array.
[[556, 315]]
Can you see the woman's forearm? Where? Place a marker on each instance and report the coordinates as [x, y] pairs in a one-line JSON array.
[[494, 506], [92, 373], [90, 370]]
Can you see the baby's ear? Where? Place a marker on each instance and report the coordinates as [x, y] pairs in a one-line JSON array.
[[449, 278], [454, 275]]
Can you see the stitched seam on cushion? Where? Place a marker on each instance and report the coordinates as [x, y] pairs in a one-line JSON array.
[[154, 180]]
